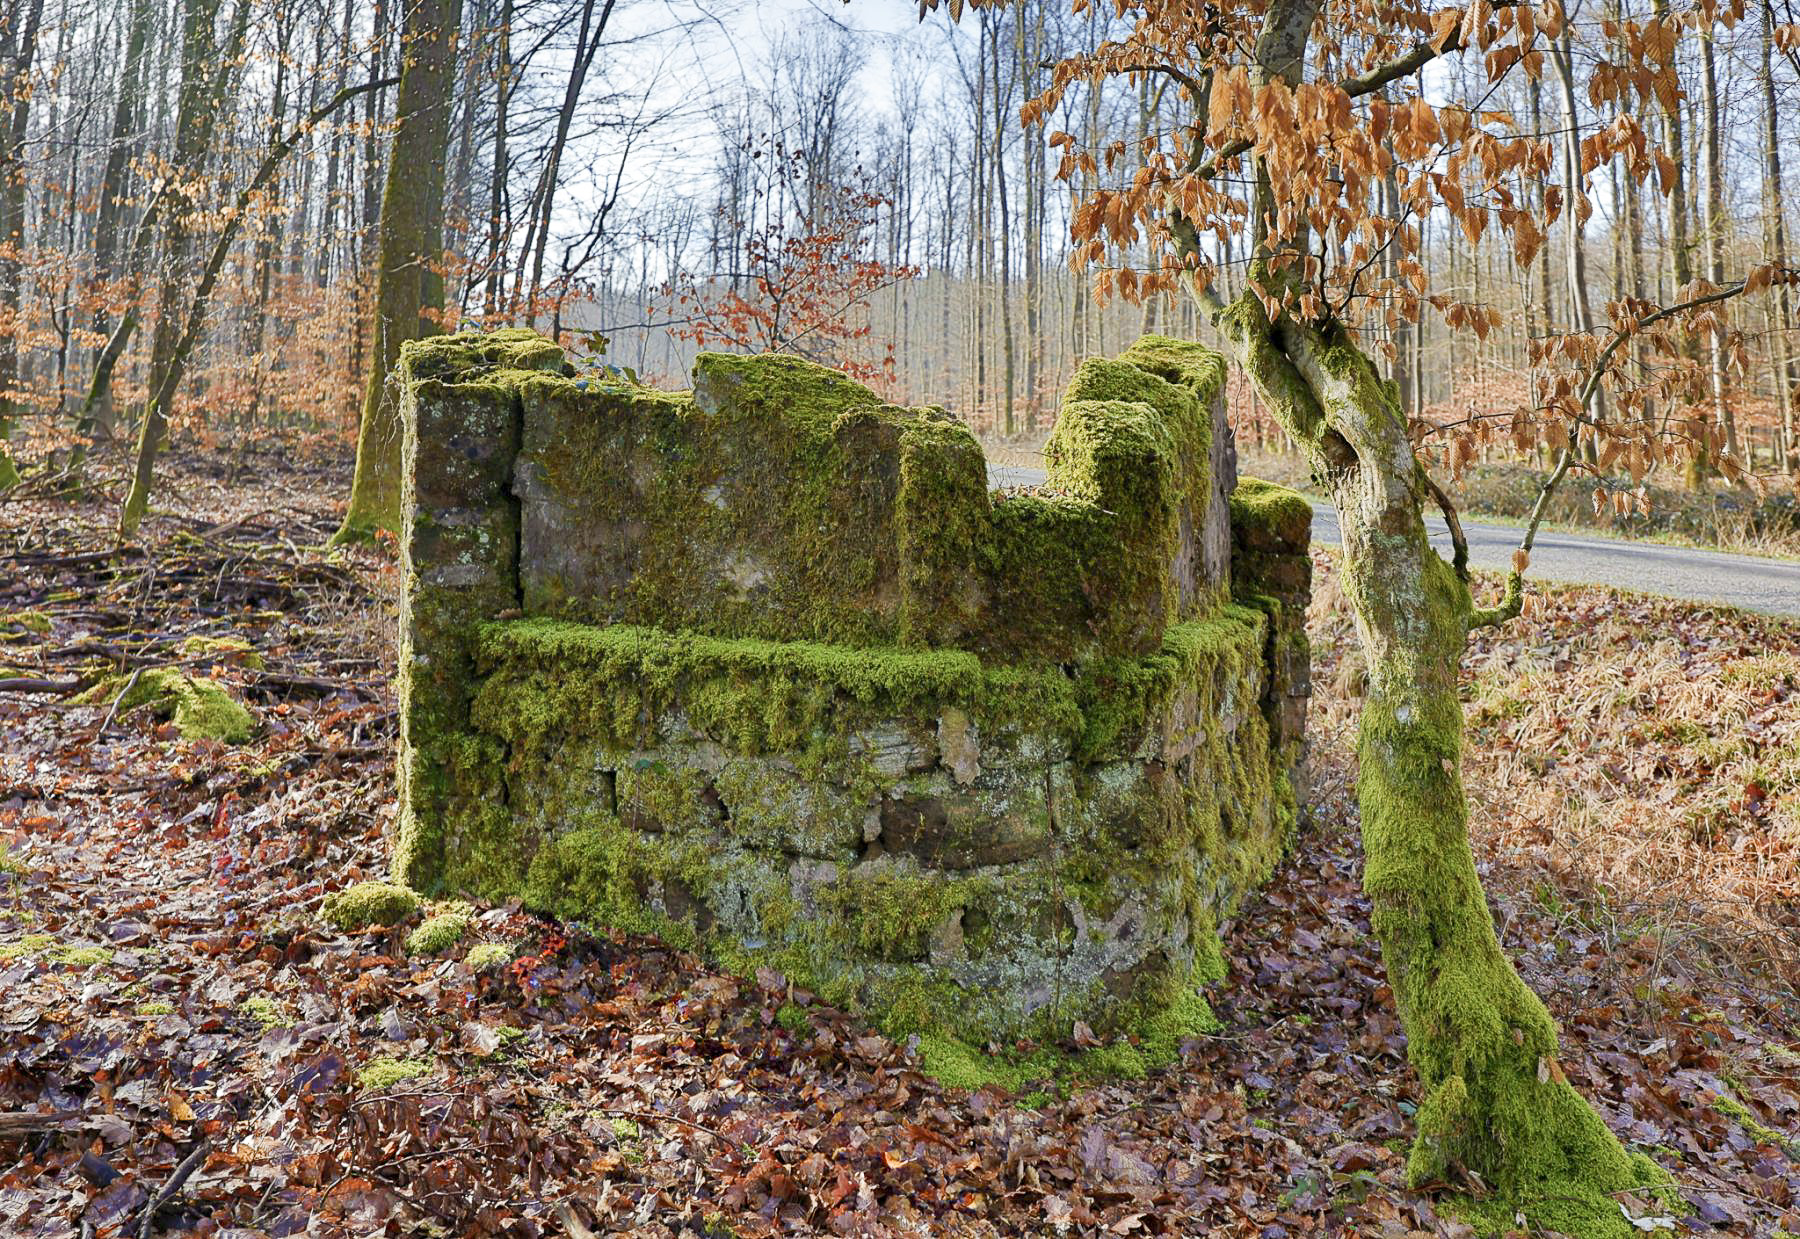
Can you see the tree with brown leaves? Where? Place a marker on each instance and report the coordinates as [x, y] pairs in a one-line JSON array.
[[1301, 119]]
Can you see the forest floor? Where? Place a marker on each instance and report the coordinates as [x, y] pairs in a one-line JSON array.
[[186, 1046]]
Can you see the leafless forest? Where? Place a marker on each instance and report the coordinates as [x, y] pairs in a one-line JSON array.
[[619, 167]]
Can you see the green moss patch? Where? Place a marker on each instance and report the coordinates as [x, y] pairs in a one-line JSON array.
[[15, 624], [47, 947], [1155, 1045], [369, 903], [264, 1010], [485, 955], [201, 708], [1741, 1114], [223, 651], [1264, 510], [438, 933], [385, 1073]]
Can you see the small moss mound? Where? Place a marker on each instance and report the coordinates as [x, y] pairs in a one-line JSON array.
[[45, 945], [200, 707], [958, 1064], [30, 944], [157, 1006], [263, 1010], [227, 651], [369, 903], [383, 1073], [485, 955], [18, 623], [438, 934], [1741, 1114], [1258, 506]]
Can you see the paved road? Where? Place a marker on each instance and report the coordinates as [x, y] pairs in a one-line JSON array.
[[1768, 585]]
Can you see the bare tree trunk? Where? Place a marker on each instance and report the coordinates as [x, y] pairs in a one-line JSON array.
[[126, 122], [181, 347], [1680, 269], [18, 47], [1775, 247], [1002, 98], [334, 163], [587, 43], [193, 132], [496, 248], [409, 282], [1714, 221], [1574, 219]]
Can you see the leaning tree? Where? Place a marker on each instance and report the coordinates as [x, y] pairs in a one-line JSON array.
[[1323, 132]]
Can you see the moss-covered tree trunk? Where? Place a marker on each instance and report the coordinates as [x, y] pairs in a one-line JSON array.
[[1497, 1110], [1498, 1116], [409, 284]]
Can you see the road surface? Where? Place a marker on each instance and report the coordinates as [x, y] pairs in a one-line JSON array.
[[1771, 586]]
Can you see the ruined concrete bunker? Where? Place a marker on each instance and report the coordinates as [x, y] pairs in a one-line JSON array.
[[767, 669]]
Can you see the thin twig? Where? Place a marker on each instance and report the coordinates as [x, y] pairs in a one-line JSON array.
[[166, 1193]]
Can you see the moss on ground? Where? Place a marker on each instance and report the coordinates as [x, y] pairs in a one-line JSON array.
[[14, 624], [439, 932], [1156, 1044], [485, 955], [201, 708], [384, 1073], [264, 1010], [369, 903], [225, 651], [1741, 1114], [46, 946]]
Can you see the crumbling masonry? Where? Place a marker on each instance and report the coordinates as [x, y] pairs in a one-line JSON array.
[[767, 669]]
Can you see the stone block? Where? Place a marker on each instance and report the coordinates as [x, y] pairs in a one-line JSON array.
[[765, 669]]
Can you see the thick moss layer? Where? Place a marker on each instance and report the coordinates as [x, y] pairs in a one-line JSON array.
[[757, 798], [369, 903], [199, 707], [781, 500], [1270, 517], [794, 689]]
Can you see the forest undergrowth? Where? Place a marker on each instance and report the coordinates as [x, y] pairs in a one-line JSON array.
[[185, 1045]]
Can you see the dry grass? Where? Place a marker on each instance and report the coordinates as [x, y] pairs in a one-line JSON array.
[[1631, 760]]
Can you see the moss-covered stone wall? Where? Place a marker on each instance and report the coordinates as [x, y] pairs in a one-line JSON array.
[[767, 669]]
